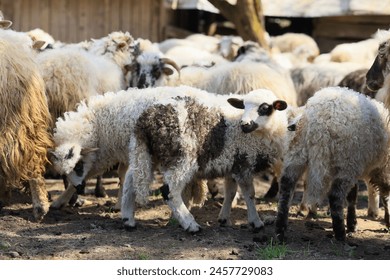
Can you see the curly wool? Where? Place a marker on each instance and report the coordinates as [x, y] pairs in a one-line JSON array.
[[25, 116]]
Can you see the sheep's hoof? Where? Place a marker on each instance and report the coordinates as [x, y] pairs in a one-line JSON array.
[[100, 192], [224, 222], [372, 213], [340, 236], [193, 228], [257, 228], [127, 226], [39, 212]]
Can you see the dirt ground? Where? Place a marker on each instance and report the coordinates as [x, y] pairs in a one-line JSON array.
[[94, 231]]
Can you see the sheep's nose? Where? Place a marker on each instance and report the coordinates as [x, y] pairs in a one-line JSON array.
[[248, 127]]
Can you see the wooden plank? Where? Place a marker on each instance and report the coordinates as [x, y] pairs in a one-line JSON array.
[[43, 15], [344, 30], [115, 15]]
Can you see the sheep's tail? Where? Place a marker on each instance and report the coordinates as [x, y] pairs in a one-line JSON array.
[[318, 183], [141, 170]]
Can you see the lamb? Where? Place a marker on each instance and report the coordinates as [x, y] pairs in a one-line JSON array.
[[198, 135], [25, 122], [340, 137], [204, 149]]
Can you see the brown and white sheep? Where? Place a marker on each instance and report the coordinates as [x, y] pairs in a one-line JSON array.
[[24, 126]]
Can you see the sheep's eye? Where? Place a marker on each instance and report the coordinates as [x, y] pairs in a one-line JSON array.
[[156, 72], [264, 110], [79, 168]]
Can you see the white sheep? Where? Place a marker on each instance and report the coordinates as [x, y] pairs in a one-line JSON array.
[[25, 121], [340, 137], [214, 131], [312, 77]]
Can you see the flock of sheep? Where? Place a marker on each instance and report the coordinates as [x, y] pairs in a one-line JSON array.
[[197, 109]]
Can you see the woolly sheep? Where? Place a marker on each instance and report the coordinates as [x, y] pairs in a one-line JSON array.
[[205, 153], [342, 136], [194, 138], [313, 77], [89, 131], [151, 68], [25, 122], [378, 85]]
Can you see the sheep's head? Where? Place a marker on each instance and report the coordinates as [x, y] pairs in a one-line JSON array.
[[72, 160], [259, 108], [150, 70], [375, 76]]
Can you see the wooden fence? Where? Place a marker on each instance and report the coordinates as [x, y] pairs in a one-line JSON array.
[[78, 20]]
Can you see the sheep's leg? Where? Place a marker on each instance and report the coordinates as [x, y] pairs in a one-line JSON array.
[[99, 188], [176, 183], [336, 197], [138, 178], [128, 201], [385, 197], [64, 198], [39, 197], [288, 182], [351, 214], [230, 190], [122, 168], [273, 190], [373, 201], [248, 191]]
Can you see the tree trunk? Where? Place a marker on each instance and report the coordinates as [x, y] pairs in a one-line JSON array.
[[247, 16]]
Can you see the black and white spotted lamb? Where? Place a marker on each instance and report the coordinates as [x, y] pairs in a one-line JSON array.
[[187, 133], [340, 137]]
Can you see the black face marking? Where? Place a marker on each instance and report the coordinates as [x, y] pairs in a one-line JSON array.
[[79, 168], [70, 154], [156, 71], [248, 128], [265, 109]]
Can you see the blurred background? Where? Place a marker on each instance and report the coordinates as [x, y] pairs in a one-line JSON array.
[[329, 22]]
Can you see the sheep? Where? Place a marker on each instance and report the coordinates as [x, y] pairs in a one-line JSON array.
[[206, 152], [150, 68], [340, 137], [196, 141], [377, 85], [356, 80], [361, 52], [299, 44], [25, 122], [313, 77], [38, 34], [72, 75], [92, 126]]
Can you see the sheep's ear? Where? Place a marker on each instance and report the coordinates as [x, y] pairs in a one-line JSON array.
[[4, 24], [86, 151], [51, 155], [37, 45], [167, 71], [236, 103], [121, 46], [279, 105]]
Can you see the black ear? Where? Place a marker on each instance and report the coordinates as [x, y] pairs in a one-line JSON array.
[[236, 103], [279, 105]]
